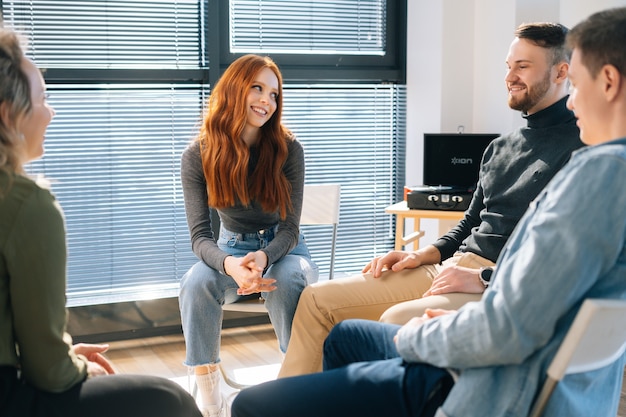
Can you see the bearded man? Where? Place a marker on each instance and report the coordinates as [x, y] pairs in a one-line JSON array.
[[457, 267]]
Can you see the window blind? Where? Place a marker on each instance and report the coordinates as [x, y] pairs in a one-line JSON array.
[[109, 34], [113, 156], [303, 27], [352, 135], [113, 149]]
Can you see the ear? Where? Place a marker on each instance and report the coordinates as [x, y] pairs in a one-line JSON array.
[[562, 69], [613, 82]]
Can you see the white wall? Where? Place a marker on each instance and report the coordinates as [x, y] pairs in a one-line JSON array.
[[456, 51], [573, 11], [425, 77]]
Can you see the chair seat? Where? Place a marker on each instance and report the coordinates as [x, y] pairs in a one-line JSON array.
[[251, 305]]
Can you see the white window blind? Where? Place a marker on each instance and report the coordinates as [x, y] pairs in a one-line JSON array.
[[113, 156], [303, 27], [113, 149], [352, 135], [109, 34]]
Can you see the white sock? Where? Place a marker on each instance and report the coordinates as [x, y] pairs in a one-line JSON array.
[[209, 389]]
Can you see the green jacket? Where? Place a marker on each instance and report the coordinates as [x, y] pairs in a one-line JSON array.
[[33, 258]]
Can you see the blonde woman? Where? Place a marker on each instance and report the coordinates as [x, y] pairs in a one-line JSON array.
[[41, 372]]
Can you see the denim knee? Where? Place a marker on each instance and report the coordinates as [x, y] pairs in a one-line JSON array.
[[358, 340], [199, 282]]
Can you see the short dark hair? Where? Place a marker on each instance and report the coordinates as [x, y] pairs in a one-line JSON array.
[[601, 40], [547, 35]]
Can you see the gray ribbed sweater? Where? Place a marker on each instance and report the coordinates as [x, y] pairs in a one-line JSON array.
[[239, 219]]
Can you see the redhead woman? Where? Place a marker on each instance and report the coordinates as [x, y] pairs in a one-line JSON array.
[[41, 372], [249, 167]]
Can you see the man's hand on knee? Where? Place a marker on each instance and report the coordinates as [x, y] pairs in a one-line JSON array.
[[456, 279]]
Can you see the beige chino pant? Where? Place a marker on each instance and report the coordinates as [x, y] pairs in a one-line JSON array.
[[396, 296]]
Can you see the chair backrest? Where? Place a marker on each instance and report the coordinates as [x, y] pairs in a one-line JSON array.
[[596, 338], [320, 206]]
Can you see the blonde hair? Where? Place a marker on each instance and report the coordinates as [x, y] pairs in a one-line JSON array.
[[15, 101]]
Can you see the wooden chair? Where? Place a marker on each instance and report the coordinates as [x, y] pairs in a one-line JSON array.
[[596, 339]]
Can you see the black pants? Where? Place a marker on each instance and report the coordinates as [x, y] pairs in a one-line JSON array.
[[104, 396]]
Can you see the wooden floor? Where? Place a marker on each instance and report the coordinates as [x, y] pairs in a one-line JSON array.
[[242, 347]]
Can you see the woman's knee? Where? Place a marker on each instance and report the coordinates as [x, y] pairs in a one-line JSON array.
[[195, 276], [200, 282], [294, 268], [143, 394]]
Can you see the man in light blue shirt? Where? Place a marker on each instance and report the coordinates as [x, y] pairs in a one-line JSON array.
[[569, 246]]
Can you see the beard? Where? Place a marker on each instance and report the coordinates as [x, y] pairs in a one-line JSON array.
[[534, 94]]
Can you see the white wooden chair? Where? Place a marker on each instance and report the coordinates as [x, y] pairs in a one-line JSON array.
[[596, 339], [320, 206]]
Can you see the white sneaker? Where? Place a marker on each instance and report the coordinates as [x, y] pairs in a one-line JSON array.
[[222, 410]]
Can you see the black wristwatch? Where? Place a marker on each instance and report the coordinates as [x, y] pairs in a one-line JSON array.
[[485, 275]]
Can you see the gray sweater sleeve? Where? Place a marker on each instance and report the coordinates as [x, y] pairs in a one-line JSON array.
[[197, 209], [239, 219]]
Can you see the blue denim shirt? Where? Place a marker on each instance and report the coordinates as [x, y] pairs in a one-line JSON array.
[[567, 247]]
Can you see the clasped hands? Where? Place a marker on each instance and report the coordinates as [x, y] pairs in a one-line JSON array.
[[247, 272]]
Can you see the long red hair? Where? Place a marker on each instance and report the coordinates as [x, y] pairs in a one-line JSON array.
[[225, 155]]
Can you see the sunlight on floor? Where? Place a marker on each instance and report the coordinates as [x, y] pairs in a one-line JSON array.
[[255, 374], [252, 375]]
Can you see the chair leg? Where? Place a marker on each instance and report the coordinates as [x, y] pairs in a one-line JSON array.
[[231, 382], [332, 254], [542, 399]]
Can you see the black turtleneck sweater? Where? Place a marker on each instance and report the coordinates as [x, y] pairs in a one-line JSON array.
[[514, 169]]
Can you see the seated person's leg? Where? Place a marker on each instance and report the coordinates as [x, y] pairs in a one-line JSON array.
[[324, 304], [111, 395], [359, 340], [403, 312], [364, 389], [292, 273]]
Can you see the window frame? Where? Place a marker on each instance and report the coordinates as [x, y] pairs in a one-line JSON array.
[[328, 68], [311, 69], [297, 68]]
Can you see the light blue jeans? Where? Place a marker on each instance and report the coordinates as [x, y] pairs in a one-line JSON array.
[[203, 290]]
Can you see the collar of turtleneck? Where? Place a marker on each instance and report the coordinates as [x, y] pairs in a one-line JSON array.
[[555, 114]]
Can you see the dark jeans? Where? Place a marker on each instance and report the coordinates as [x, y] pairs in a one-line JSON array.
[[104, 396], [363, 376]]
